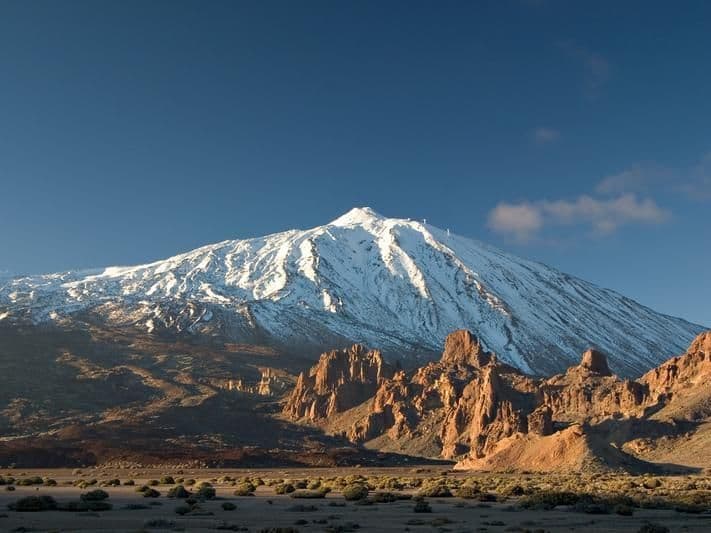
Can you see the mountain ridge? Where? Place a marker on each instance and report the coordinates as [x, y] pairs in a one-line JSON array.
[[398, 284]]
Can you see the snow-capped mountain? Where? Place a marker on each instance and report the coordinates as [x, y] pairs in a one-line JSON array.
[[399, 285]]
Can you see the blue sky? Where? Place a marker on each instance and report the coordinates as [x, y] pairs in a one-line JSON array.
[[574, 133]]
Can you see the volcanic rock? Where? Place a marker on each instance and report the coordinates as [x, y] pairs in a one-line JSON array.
[[472, 407], [340, 380], [596, 362]]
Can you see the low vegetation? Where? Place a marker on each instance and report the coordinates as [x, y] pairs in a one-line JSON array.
[[246, 488], [620, 496], [30, 504], [355, 492], [179, 491], [308, 494], [284, 488]]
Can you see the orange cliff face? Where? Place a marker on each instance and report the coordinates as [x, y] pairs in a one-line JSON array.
[[691, 369], [472, 407], [340, 380], [602, 422]]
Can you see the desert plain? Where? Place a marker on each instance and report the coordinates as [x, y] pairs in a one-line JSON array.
[[418, 499]]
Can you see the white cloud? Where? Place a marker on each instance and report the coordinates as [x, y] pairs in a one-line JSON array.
[[520, 220], [694, 181], [603, 216], [637, 178], [545, 135], [632, 179]]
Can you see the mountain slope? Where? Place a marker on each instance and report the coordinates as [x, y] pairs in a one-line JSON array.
[[397, 284]]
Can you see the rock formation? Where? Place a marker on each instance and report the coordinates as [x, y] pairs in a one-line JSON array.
[[472, 407], [595, 362], [340, 380], [678, 374], [270, 384]]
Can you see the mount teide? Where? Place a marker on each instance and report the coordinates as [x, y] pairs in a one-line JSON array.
[[397, 284]]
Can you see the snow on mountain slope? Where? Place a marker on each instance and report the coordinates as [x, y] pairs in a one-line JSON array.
[[396, 284]]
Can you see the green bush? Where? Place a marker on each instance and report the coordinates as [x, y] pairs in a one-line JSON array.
[[549, 500], [28, 481], [355, 492], [85, 505], [151, 493], [178, 492], [95, 496], [129, 483], [468, 492], [205, 492], [30, 504], [167, 480], [515, 490], [435, 491], [284, 488], [228, 506], [245, 489], [153, 483], [308, 494], [384, 497]]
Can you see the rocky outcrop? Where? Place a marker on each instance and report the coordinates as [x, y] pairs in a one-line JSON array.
[[473, 400], [471, 406], [678, 373], [271, 384], [589, 419], [340, 380], [462, 348], [589, 392], [466, 401], [595, 362]]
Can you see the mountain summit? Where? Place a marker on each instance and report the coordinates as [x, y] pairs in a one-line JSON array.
[[397, 284]]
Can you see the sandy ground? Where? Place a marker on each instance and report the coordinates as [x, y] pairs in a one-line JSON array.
[[267, 510]]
